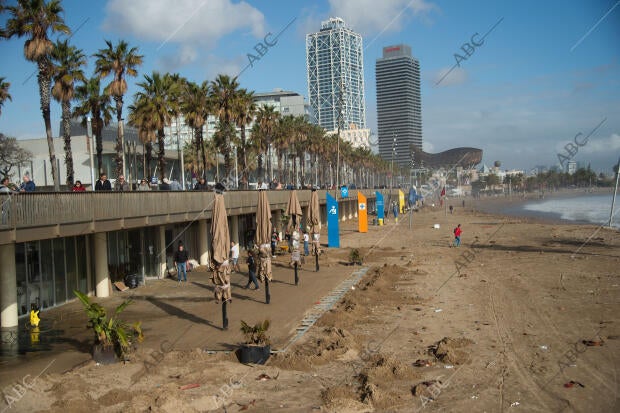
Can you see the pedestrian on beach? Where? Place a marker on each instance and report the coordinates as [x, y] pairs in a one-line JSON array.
[[180, 261], [457, 235], [463, 203], [78, 187], [103, 184], [234, 256], [201, 185], [451, 209], [251, 271]]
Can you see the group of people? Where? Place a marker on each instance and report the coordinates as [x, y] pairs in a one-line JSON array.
[[7, 187]]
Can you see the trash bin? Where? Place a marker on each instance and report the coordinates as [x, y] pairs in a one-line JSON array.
[[380, 221], [374, 221]]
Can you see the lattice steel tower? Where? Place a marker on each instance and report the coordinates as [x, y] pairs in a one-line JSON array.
[[335, 61]]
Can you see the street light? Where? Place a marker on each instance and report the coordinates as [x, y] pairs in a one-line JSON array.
[[394, 145]]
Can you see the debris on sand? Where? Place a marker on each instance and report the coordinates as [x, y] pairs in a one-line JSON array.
[[451, 350], [573, 383]]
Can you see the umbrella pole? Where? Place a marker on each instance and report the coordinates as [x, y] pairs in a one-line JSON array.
[[224, 316], [296, 275], [267, 295]]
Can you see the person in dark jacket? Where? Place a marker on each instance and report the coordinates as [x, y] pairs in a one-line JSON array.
[[201, 185], [103, 184], [27, 186], [252, 271], [180, 261]]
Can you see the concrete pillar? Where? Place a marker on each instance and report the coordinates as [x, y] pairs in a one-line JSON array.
[[234, 231], [203, 242], [350, 208], [355, 208], [162, 252], [101, 264], [342, 210], [8, 292], [89, 264]]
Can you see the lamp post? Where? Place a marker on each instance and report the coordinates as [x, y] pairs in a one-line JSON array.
[[89, 144], [394, 144]]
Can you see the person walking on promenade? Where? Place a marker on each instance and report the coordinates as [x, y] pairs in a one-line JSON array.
[[234, 256], [274, 241], [180, 261], [306, 241], [4, 186], [78, 187], [451, 208], [103, 184], [251, 271], [457, 235]]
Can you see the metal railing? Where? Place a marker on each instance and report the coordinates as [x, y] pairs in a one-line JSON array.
[[41, 209]]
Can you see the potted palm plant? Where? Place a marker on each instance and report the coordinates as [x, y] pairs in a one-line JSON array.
[[113, 337], [257, 346]]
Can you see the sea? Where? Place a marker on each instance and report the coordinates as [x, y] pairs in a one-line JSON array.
[[590, 209]]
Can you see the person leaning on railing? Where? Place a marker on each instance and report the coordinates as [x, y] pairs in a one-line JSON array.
[[144, 186], [121, 184]]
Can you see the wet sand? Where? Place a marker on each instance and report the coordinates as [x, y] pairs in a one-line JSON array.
[[523, 316]]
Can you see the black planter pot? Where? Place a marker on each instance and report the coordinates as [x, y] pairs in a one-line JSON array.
[[254, 354], [131, 280], [104, 355]]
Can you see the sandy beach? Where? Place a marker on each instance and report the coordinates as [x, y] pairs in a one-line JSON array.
[[523, 316]]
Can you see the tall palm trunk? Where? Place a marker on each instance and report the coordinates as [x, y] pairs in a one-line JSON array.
[[98, 132], [280, 175], [202, 151], [66, 134], [119, 137], [45, 92], [161, 161], [149, 158], [260, 166], [243, 159], [302, 166]]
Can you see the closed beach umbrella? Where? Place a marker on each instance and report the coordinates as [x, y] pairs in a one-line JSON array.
[[314, 225], [219, 250], [293, 210], [263, 239]]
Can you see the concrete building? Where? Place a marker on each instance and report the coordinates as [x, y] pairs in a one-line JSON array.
[[51, 244], [356, 137], [399, 107], [39, 168], [571, 167], [335, 73]]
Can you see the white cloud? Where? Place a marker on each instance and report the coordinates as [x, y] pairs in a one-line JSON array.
[[596, 145], [448, 77], [185, 55], [182, 21], [372, 16]]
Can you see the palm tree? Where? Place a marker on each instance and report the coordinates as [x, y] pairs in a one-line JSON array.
[[119, 61], [262, 134], [68, 61], [195, 106], [224, 92], [282, 140], [35, 19], [140, 117], [154, 103], [92, 102], [4, 93], [245, 109]]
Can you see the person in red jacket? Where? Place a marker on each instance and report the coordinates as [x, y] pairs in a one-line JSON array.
[[78, 187], [457, 235]]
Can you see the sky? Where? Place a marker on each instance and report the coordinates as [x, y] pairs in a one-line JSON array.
[[545, 72]]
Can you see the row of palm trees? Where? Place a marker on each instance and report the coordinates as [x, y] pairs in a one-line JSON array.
[[163, 98]]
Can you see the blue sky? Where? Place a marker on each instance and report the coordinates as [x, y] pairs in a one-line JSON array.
[[548, 71]]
